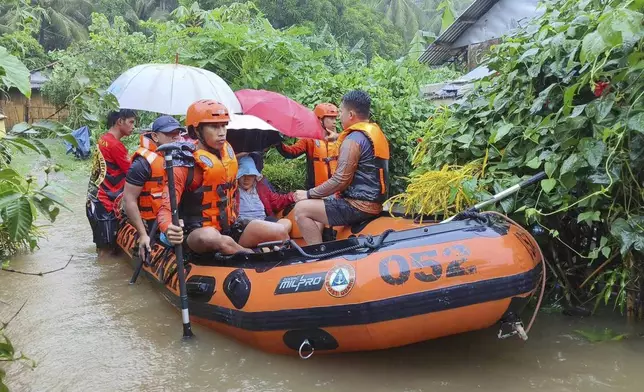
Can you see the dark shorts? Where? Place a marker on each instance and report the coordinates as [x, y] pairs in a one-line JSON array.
[[235, 231], [340, 213], [104, 224]]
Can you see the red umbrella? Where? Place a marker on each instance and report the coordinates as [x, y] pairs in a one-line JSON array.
[[289, 117]]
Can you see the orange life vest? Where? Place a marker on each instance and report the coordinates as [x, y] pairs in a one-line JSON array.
[[214, 201], [325, 159], [371, 180], [151, 194]]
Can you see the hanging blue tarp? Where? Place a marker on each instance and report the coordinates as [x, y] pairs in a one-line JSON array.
[[82, 136]]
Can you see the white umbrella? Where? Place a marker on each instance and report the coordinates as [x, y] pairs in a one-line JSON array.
[[241, 122], [170, 88]]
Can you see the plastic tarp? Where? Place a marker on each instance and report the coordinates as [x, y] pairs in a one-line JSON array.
[[82, 136]]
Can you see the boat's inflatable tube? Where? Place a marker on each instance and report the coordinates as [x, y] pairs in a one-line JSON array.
[[359, 292]]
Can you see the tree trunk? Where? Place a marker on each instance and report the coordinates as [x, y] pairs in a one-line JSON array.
[[41, 34], [632, 306]]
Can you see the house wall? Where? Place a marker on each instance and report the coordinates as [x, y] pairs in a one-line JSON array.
[[503, 17], [15, 106], [476, 53]]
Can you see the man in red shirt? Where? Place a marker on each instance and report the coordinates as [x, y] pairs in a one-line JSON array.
[[109, 168]]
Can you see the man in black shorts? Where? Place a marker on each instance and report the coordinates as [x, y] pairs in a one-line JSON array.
[[361, 178]]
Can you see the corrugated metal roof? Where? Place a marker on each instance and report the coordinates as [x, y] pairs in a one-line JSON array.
[[441, 49]]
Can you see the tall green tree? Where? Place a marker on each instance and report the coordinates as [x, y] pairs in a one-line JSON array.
[[353, 23], [59, 22], [430, 17], [135, 11], [404, 14]]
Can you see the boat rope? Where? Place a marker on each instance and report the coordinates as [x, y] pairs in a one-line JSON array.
[[473, 214], [306, 343], [543, 268], [369, 244]]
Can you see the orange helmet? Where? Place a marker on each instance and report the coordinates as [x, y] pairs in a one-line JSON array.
[[326, 110], [206, 111]]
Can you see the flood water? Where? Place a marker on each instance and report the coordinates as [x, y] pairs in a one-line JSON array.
[[88, 330]]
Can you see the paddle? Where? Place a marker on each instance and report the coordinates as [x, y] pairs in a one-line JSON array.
[[168, 150], [504, 193], [137, 270]]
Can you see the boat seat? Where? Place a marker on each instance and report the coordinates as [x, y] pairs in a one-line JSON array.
[[358, 227]]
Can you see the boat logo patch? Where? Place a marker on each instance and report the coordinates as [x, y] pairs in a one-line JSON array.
[[340, 280], [300, 283]]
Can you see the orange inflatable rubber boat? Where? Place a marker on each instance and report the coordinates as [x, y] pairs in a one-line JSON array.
[[384, 283]]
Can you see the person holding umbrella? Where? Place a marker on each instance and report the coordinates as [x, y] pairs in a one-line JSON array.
[[321, 155], [361, 178], [145, 180], [207, 192]]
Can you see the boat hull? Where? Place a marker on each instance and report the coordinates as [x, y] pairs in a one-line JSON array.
[[422, 283]]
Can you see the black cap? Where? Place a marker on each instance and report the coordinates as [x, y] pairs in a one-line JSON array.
[[166, 124]]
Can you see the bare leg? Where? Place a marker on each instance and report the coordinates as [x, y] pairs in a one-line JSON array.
[[104, 253], [321, 227], [208, 239], [288, 225], [259, 231], [308, 213]]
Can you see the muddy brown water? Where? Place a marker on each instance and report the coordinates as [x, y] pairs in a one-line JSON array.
[[88, 330]]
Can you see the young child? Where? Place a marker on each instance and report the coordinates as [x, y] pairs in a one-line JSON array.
[[255, 199]]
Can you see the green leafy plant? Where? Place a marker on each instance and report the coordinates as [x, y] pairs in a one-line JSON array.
[[13, 73], [26, 48], [286, 175], [566, 97], [354, 23], [21, 197]]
